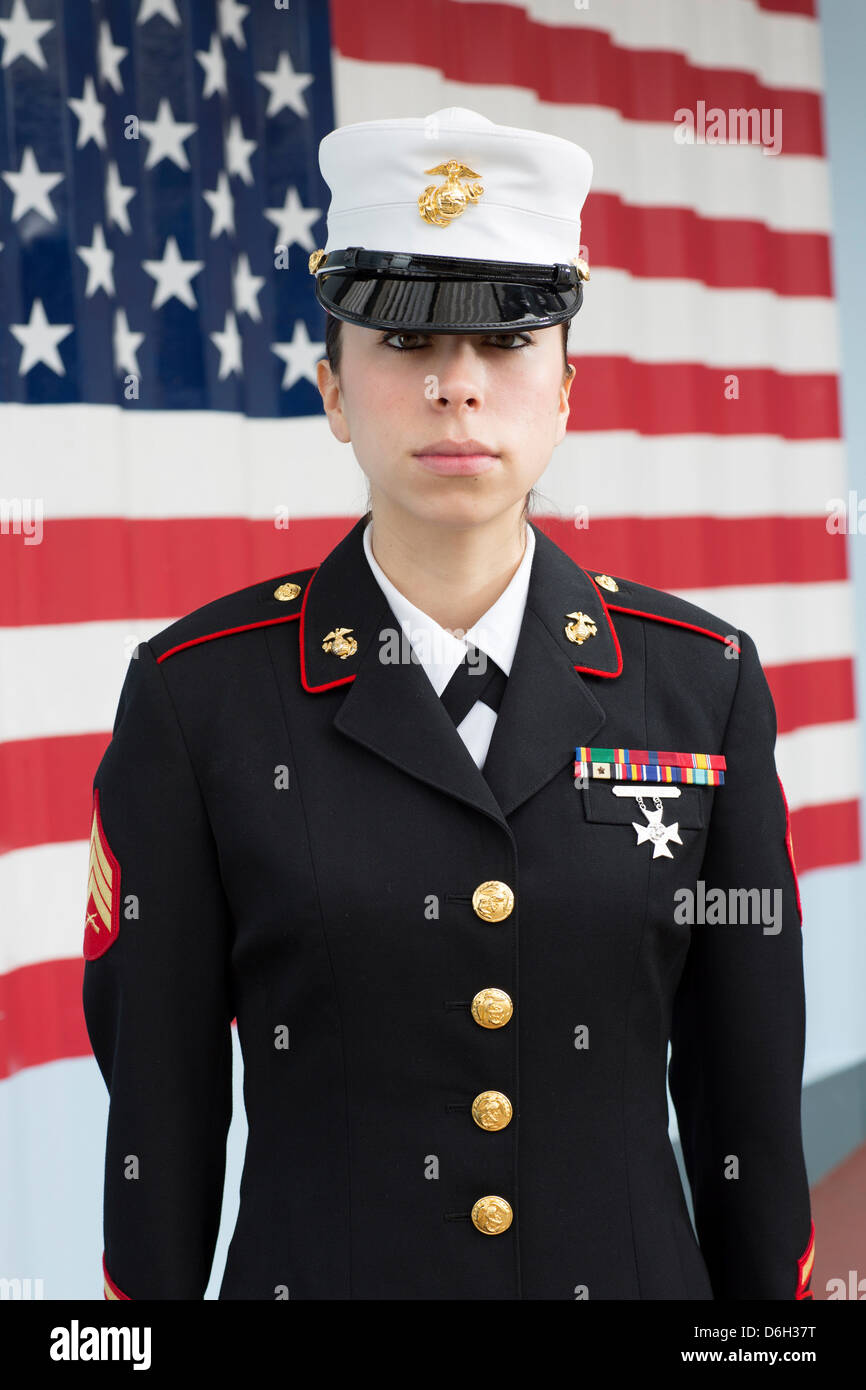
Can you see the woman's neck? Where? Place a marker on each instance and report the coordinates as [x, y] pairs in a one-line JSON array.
[[453, 574]]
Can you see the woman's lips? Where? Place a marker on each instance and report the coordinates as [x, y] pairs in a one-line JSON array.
[[457, 464]]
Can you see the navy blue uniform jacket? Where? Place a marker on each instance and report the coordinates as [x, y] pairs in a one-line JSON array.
[[292, 838]]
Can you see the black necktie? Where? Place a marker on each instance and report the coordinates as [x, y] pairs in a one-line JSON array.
[[483, 681]]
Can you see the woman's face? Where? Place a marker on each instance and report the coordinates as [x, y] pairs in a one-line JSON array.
[[398, 394]]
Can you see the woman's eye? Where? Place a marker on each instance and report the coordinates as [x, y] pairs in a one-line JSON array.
[[492, 337], [389, 336], [524, 340]]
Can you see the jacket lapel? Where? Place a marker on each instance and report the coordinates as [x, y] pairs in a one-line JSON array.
[[391, 708], [548, 708]]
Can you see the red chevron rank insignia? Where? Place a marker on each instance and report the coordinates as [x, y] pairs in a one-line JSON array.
[[103, 891]]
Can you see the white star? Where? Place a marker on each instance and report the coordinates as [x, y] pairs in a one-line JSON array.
[[167, 8], [126, 344], [285, 87], [91, 116], [238, 151], [221, 204], [99, 260], [293, 221], [116, 198], [39, 338], [658, 833], [300, 356], [166, 136], [22, 36], [246, 288], [229, 344], [31, 188], [231, 16], [110, 56], [172, 275], [214, 64]]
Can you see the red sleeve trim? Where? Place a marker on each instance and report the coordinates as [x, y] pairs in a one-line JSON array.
[[789, 845], [110, 1288], [804, 1266]]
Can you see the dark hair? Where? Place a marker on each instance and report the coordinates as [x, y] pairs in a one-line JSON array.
[[333, 351]]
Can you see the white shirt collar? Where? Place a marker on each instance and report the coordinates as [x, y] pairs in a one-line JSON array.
[[495, 633]]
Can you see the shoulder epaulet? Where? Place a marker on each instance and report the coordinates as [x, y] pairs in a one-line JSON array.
[[276, 600], [643, 601]]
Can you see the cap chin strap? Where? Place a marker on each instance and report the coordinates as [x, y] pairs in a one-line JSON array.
[[411, 265]]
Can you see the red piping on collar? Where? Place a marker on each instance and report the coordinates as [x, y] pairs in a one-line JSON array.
[[330, 685], [676, 622], [593, 670], [345, 680]]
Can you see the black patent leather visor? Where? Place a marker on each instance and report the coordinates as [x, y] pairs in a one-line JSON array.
[[444, 294]]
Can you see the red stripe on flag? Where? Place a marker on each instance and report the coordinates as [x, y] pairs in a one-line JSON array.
[[47, 790], [199, 559], [103, 569], [689, 398], [826, 834], [812, 692], [723, 253], [501, 45], [705, 552], [804, 7], [41, 1015]]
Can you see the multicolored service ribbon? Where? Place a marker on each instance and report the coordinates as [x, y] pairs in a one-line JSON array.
[[649, 765]]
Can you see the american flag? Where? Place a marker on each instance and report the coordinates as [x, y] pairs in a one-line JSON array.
[[162, 435]]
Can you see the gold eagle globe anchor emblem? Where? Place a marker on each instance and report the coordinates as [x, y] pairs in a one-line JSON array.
[[581, 627], [339, 644], [440, 204]]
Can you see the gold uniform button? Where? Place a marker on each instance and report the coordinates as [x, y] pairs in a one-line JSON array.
[[287, 591], [607, 583], [492, 1215], [492, 900], [491, 1110], [492, 1008]]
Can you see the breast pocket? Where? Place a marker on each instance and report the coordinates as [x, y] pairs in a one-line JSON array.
[[626, 858], [690, 810]]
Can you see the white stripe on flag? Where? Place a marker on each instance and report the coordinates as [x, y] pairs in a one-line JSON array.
[[787, 622], [96, 460], [44, 894], [820, 763], [619, 473], [38, 702], [665, 320], [638, 161]]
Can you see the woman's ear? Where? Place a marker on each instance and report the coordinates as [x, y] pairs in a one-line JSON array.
[[564, 406], [329, 389]]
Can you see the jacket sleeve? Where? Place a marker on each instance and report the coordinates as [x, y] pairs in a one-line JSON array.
[[157, 999], [738, 1025]]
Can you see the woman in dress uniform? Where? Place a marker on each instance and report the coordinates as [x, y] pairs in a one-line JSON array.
[[461, 833]]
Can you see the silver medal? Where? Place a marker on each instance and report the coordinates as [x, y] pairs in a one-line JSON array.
[[656, 831]]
